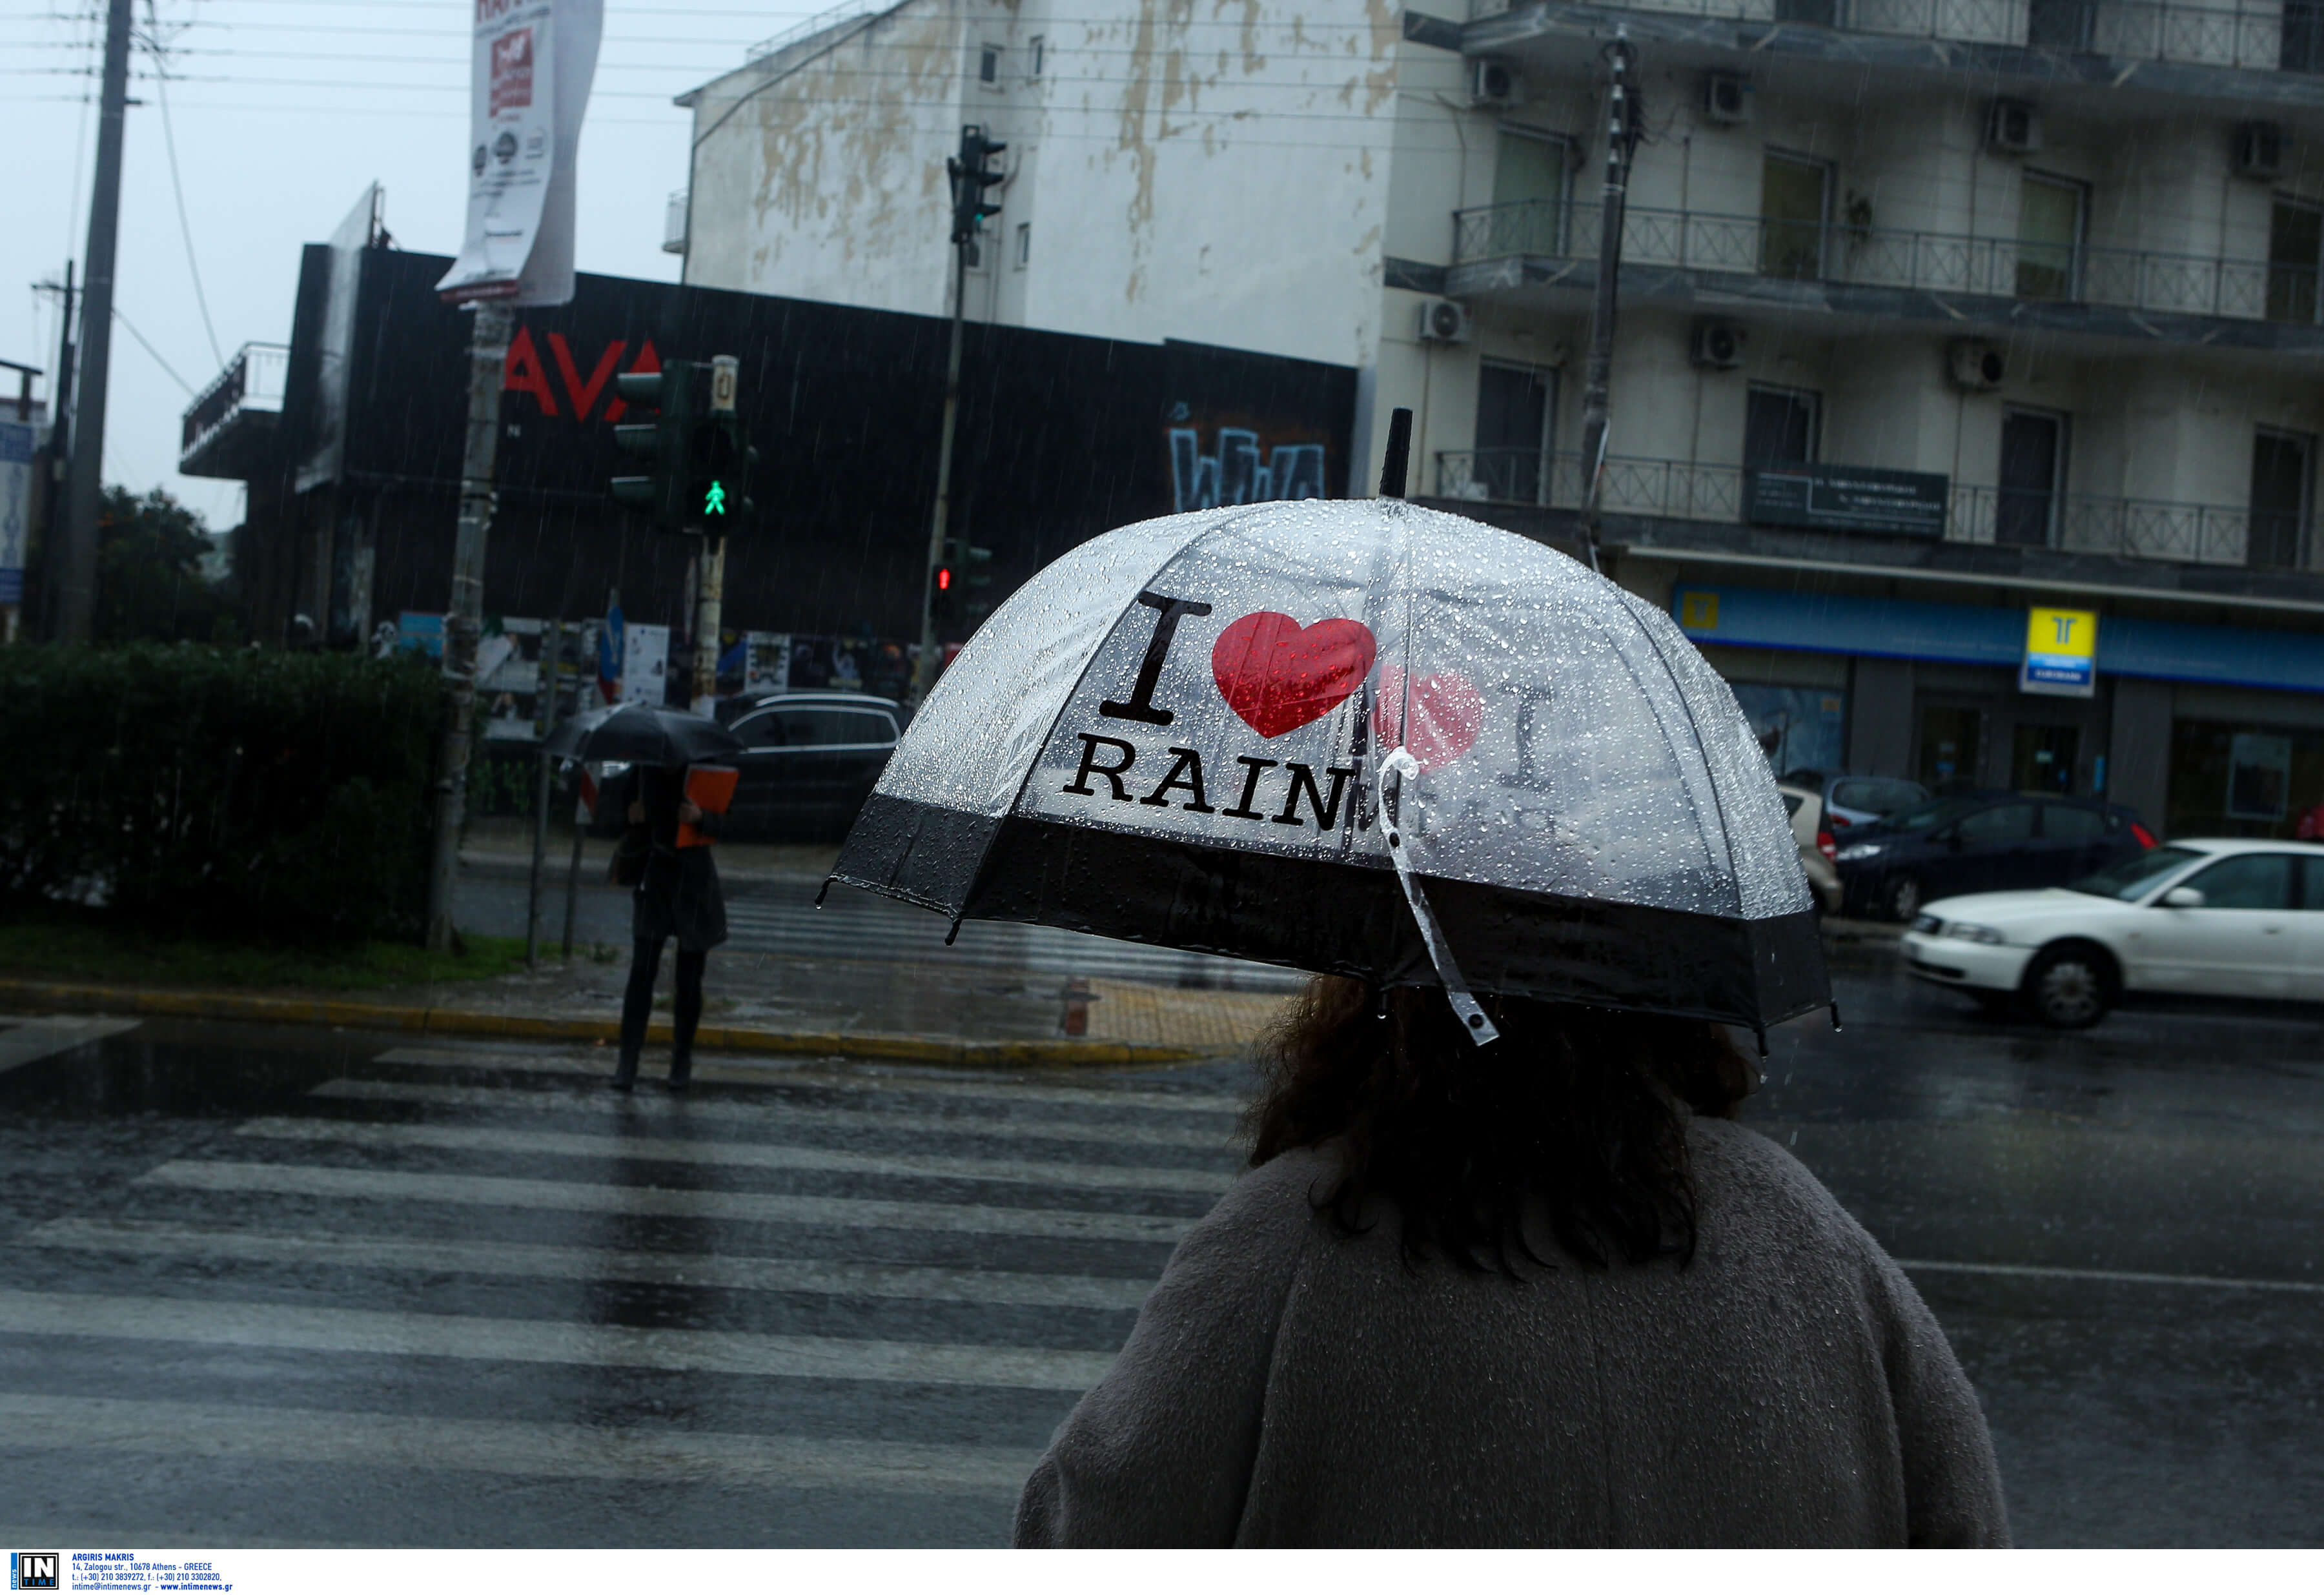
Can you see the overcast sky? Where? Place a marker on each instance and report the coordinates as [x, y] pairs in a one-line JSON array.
[[282, 111]]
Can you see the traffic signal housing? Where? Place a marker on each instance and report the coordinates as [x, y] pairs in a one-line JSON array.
[[720, 463], [973, 171], [662, 495]]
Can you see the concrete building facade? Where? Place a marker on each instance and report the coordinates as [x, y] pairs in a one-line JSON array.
[[1933, 313]]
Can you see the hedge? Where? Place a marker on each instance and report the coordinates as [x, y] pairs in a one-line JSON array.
[[222, 791]]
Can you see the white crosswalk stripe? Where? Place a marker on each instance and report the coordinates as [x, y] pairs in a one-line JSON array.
[[698, 1284]]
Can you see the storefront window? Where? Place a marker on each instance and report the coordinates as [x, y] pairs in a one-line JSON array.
[[1798, 727], [2244, 781]]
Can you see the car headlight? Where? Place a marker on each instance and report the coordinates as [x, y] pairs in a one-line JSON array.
[[1976, 933], [1858, 850], [1928, 924]]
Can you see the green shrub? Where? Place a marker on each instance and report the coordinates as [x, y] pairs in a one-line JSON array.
[[195, 790]]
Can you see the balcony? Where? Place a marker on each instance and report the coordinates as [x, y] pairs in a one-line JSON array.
[[2076, 523], [2256, 35], [229, 429], [1876, 258], [673, 224]]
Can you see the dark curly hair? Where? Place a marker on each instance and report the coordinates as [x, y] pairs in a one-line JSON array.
[[1583, 1109]]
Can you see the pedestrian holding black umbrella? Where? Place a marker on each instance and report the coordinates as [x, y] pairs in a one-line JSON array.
[[677, 893], [1504, 1271]]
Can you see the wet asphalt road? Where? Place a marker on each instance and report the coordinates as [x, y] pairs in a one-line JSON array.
[[295, 1286]]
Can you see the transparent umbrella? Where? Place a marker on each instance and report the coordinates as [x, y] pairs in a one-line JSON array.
[[1359, 737]]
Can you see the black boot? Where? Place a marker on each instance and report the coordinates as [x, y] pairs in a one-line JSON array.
[[625, 1074], [681, 1070]]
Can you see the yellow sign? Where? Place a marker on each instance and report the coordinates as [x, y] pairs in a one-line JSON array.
[[2061, 652], [1698, 612]]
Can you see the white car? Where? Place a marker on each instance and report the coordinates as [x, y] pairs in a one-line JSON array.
[[2209, 918]]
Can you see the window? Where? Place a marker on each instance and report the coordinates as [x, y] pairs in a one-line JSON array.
[[2060, 822], [2282, 474], [1794, 205], [1988, 827], [2295, 250], [2032, 470], [1780, 426], [1024, 244], [2049, 238], [2041, 758], [825, 727], [1529, 171], [1515, 406], [2059, 24], [2260, 881], [1034, 51], [2302, 46], [761, 731], [1823, 14], [2311, 884], [1877, 795], [988, 65], [1952, 739]]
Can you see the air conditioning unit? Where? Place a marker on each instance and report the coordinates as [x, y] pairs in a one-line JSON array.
[[1727, 99], [2012, 127], [1979, 367], [2259, 149], [1493, 83], [1718, 345], [1444, 321]]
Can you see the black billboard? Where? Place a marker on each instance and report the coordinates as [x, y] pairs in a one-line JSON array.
[[1845, 498], [1060, 438]]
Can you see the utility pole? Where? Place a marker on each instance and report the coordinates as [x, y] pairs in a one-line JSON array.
[[1622, 135], [488, 338], [76, 557], [970, 177]]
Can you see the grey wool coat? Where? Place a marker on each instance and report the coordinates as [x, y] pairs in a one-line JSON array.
[[1289, 1384]]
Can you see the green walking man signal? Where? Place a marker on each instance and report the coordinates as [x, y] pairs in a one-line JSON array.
[[700, 462]]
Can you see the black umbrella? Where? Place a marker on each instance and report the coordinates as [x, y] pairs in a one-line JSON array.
[[641, 733]]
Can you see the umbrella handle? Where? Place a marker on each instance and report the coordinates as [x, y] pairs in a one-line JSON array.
[[1393, 770]]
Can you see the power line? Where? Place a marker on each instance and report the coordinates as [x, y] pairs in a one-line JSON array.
[[150, 349], [177, 185]]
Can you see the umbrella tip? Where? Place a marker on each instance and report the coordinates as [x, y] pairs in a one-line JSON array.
[[1394, 465]]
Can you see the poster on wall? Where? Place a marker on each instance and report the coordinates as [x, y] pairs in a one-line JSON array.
[[15, 507], [766, 661], [420, 633], [645, 663], [2259, 776], [1798, 727]]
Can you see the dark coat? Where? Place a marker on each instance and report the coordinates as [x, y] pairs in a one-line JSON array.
[[1290, 1385], [679, 895]]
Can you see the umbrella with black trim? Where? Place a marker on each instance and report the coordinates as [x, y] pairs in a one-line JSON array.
[[1358, 737], [641, 733]]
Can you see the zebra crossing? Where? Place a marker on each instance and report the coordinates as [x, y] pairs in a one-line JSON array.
[[456, 1295]]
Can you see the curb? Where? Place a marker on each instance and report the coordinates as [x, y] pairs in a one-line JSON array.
[[453, 1021]]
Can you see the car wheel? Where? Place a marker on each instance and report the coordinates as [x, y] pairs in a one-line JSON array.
[[1902, 899], [2071, 987]]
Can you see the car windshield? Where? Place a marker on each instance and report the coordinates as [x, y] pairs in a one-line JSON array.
[[1929, 815], [2134, 874]]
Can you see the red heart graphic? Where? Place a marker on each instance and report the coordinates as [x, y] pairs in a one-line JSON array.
[[1278, 676], [1447, 713]]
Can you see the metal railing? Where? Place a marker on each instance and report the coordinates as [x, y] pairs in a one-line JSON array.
[[2081, 523], [1832, 252], [251, 381], [2262, 35], [847, 11]]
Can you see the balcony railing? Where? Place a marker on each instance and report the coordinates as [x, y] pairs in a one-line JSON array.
[[2261, 35], [2082, 523], [251, 381], [1880, 257]]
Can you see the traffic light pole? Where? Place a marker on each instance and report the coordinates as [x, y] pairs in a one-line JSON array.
[[924, 669], [488, 340]]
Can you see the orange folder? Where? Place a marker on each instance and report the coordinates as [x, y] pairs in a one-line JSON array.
[[710, 788]]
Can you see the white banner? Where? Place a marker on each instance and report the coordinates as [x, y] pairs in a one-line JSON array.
[[645, 663], [17, 440], [529, 87]]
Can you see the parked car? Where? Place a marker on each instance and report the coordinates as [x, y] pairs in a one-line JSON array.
[[1850, 800], [1816, 847], [2211, 918], [1981, 842], [810, 760]]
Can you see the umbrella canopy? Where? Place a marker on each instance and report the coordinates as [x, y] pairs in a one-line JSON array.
[[1204, 732], [641, 733]]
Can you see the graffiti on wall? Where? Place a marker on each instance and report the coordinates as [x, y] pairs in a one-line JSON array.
[[1243, 467]]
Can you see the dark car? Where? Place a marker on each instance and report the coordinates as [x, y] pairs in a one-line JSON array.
[[1981, 842], [1850, 800], [808, 762]]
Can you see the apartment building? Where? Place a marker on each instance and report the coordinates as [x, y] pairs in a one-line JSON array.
[[1942, 320]]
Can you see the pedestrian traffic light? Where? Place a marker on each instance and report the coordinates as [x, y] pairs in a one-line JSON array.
[[954, 584], [973, 171], [718, 484], [666, 440]]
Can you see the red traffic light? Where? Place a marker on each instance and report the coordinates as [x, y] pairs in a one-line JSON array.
[[944, 578]]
